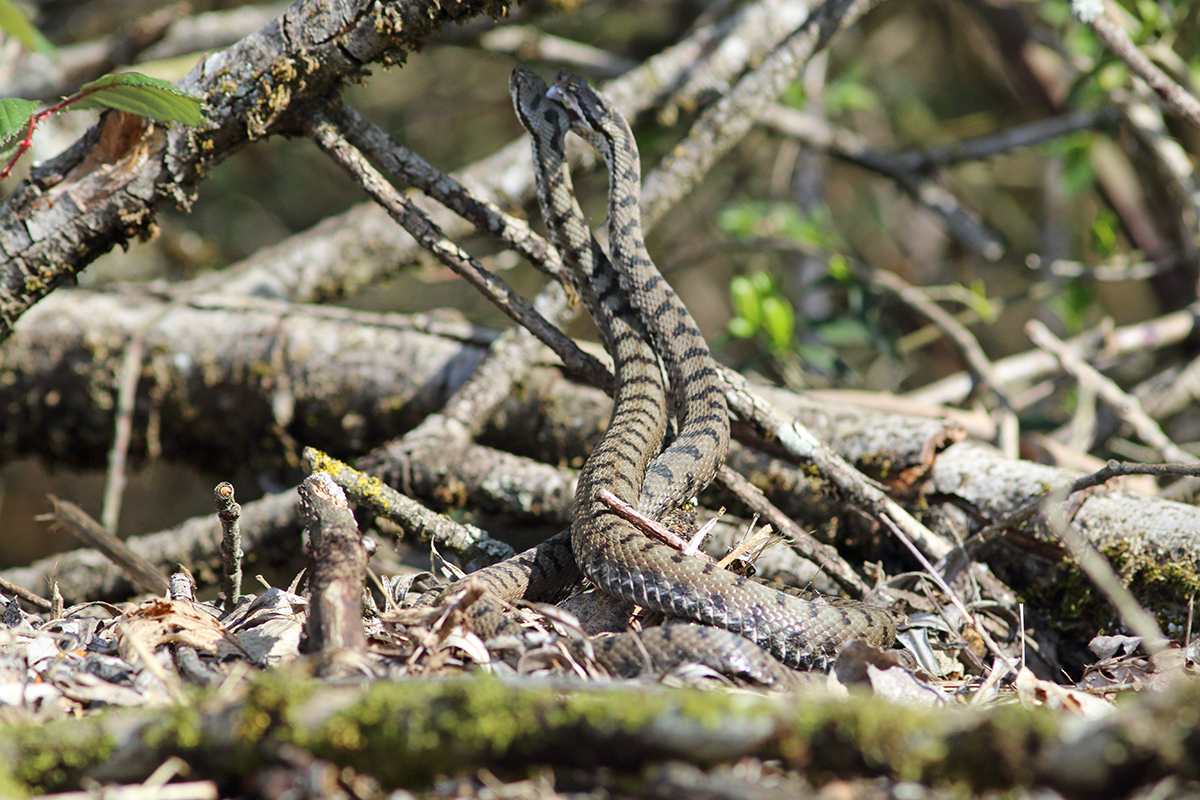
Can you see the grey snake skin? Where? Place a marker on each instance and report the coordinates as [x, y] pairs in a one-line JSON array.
[[633, 306], [614, 555]]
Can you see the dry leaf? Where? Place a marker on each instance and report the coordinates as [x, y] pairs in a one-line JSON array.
[[160, 621]]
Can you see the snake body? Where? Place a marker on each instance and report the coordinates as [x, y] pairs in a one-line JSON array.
[[633, 306], [627, 461], [702, 440], [613, 554]]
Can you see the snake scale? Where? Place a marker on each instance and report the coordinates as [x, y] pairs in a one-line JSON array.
[[633, 306], [613, 554]]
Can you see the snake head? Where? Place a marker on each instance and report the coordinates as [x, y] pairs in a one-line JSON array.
[[594, 118], [585, 109], [524, 79], [528, 91]]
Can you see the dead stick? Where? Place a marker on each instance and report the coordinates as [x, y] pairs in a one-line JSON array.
[[145, 576]]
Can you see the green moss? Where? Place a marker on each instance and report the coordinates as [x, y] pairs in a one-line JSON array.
[[272, 701], [178, 728], [53, 756], [831, 738], [862, 736], [10, 787], [409, 733], [1162, 587]]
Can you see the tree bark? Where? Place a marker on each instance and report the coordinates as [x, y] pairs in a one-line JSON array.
[[106, 188]]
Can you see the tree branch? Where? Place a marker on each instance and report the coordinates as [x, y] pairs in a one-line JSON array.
[[106, 188]]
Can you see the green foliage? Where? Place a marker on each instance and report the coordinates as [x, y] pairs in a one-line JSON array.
[[1152, 17], [839, 269], [844, 332], [14, 23], [762, 312], [846, 92], [977, 300], [1073, 304], [142, 95], [756, 219], [794, 95], [1104, 233], [1075, 151], [849, 92], [14, 116], [131, 92]]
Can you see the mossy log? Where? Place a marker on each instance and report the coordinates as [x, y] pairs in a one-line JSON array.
[[409, 733]]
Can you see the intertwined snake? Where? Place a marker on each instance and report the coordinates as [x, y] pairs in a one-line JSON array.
[[616, 556], [633, 306]]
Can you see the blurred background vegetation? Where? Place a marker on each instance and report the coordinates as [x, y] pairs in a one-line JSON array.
[[776, 250]]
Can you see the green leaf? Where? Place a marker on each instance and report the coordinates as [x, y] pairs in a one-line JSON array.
[[844, 332], [1104, 233], [849, 92], [763, 283], [740, 329], [1073, 305], [745, 306], [794, 95], [1075, 151], [14, 116], [980, 303], [839, 270], [779, 322], [850, 96], [14, 23], [1151, 16], [141, 95], [742, 220]]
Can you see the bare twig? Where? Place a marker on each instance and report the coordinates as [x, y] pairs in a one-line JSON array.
[[349, 251], [337, 568], [114, 485], [992, 144], [956, 560], [1164, 331], [529, 43], [1125, 404], [801, 444], [329, 138], [24, 594], [1163, 398], [374, 142], [936, 577], [84, 574], [229, 512], [1117, 469], [1102, 575], [824, 556], [146, 576], [650, 527], [164, 33], [851, 147], [724, 123], [167, 164], [1116, 38], [1117, 268], [967, 345]]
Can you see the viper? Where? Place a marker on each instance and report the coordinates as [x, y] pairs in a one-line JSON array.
[[641, 320], [615, 555]]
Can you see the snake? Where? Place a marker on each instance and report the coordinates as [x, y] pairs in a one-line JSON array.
[[616, 556], [548, 572], [720, 618], [699, 447]]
